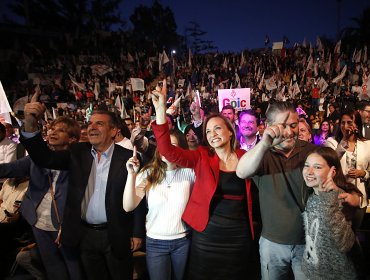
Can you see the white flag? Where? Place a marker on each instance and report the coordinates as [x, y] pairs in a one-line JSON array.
[[270, 83], [189, 58], [322, 84], [341, 75], [173, 108], [130, 58], [337, 47], [165, 58], [5, 108], [137, 84], [364, 59], [319, 44]]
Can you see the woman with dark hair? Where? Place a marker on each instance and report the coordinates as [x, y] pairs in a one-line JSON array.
[[323, 133], [220, 207], [329, 234], [353, 151], [191, 137], [167, 188]]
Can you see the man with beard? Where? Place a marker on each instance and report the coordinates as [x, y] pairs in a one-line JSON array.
[[364, 110], [248, 129], [275, 165]]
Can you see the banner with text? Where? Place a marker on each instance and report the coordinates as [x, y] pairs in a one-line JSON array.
[[239, 98]]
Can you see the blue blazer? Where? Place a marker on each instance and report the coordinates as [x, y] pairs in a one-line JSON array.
[[38, 187]]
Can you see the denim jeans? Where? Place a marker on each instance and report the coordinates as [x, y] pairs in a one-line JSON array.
[[166, 257], [276, 260]]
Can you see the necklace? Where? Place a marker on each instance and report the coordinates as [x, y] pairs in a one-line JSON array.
[[173, 177], [229, 157]]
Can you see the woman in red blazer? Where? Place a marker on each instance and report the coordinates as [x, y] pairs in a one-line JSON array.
[[220, 207]]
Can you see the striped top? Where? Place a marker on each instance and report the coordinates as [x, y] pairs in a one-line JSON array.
[[166, 204]]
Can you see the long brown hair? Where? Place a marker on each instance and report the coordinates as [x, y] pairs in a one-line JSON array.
[[156, 168]]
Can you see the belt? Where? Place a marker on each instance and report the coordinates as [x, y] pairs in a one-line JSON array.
[[230, 197], [95, 226]]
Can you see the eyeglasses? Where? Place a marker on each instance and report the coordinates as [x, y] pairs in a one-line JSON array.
[[367, 111]]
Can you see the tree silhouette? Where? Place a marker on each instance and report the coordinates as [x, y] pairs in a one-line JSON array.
[[357, 37], [193, 35], [72, 16], [154, 27]]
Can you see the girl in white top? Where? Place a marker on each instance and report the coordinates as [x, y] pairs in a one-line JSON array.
[[167, 188]]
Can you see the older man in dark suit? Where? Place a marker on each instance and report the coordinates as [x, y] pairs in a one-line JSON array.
[[94, 218]]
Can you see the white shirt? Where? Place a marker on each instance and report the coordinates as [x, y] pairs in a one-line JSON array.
[[43, 211], [9, 194], [8, 151], [166, 204]]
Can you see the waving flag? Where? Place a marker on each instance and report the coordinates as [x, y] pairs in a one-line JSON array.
[[341, 75], [5, 108], [337, 47]]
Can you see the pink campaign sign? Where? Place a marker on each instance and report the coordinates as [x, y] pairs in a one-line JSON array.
[[239, 98]]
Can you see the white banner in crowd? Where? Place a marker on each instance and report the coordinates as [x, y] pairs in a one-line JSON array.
[[239, 98], [137, 84], [181, 82]]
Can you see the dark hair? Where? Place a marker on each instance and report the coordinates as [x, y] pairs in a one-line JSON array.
[[2, 128], [319, 132], [362, 104], [332, 159], [114, 120], [188, 128], [229, 126], [356, 118], [278, 107], [73, 127], [156, 168], [249, 112], [122, 126], [228, 107]]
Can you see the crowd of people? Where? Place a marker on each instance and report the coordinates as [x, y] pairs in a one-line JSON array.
[[102, 170]]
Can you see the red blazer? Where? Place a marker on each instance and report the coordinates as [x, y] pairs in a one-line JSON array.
[[206, 168]]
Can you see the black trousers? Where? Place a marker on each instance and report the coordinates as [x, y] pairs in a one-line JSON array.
[[98, 261]]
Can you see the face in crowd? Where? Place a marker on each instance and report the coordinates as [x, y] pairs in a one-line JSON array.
[[248, 125], [365, 115], [100, 131], [218, 133], [304, 132], [315, 170], [289, 120], [229, 113], [130, 124], [192, 139]]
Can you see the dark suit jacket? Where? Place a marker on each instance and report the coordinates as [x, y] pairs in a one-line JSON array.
[[78, 160], [37, 188]]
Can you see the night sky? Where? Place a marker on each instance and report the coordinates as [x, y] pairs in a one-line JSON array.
[[234, 25]]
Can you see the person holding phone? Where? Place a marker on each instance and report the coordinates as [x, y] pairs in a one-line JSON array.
[[354, 153], [11, 196]]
